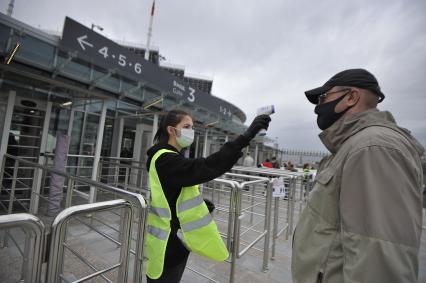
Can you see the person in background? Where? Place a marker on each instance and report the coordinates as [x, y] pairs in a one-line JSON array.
[[267, 163], [363, 219], [306, 177], [290, 166], [179, 220], [248, 160], [275, 163]]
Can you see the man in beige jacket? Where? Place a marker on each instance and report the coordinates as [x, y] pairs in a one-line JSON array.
[[363, 220]]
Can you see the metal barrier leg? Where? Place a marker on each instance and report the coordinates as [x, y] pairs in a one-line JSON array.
[[117, 170], [212, 192], [3, 163], [252, 204], [126, 179], [301, 197], [221, 189], [275, 227], [138, 265], [235, 236], [25, 259], [267, 226], [287, 232], [122, 228], [231, 212], [12, 196], [126, 244], [35, 191], [70, 189], [293, 195], [12, 192]]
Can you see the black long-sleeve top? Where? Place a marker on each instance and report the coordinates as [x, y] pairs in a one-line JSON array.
[[176, 171]]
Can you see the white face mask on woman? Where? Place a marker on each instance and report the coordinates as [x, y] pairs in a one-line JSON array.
[[186, 137]]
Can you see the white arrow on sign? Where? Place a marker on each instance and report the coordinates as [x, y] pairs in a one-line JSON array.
[[82, 42]]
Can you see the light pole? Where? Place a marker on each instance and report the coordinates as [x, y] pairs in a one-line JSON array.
[[97, 26], [10, 8]]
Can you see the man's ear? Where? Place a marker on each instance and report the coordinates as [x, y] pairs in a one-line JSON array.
[[353, 96]]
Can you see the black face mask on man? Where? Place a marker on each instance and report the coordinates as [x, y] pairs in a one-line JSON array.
[[326, 114]]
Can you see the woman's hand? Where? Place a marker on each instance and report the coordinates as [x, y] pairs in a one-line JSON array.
[[260, 122]]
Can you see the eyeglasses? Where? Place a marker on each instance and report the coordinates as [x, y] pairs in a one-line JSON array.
[[322, 97]]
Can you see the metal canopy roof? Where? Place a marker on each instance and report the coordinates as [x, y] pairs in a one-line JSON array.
[[57, 73]]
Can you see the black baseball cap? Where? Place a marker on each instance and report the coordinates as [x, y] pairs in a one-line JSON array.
[[353, 77]]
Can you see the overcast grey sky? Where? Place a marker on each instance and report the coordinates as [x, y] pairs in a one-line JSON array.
[[269, 52]]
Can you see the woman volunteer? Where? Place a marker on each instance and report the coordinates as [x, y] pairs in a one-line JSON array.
[[176, 202]]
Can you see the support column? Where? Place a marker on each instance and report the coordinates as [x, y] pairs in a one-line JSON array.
[[154, 128], [42, 160], [98, 148], [256, 153], [117, 137], [6, 125], [197, 142], [138, 143], [205, 143], [137, 148]]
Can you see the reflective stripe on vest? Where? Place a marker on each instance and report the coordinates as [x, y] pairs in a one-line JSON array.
[[187, 227], [191, 203], [157, 232], [160, 212]]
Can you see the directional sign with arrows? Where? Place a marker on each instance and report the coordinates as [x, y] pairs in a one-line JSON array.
[[82, 42], [101, 51]]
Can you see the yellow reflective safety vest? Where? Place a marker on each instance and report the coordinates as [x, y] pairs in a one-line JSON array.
[[199, 230]]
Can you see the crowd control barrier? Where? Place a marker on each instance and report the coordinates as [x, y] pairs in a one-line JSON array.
[[33, 195], [30, 254], [59, 243], [244, 202], [284, 207]]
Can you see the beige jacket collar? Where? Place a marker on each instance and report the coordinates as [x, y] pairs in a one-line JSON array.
[[344, 128]]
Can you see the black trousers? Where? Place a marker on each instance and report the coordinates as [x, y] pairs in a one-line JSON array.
[[172, 274]]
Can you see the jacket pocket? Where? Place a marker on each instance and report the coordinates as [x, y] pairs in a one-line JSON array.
[[324, 177]]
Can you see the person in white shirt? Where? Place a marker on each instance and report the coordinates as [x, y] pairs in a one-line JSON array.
[[248, 160]]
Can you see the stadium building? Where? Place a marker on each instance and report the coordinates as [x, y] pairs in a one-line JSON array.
[[104, 96]]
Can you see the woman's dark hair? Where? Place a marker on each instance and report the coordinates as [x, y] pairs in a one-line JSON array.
[[171, 118]]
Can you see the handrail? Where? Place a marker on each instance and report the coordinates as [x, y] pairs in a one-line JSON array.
[[117, 163], [59, 226], [70, 155], [268, 171], [139, 164], [31, 224], [135, 199]]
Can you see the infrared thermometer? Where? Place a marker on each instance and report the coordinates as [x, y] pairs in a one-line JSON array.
[[266, 110]]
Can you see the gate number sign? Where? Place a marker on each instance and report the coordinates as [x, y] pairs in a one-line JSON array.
[[103, 52]]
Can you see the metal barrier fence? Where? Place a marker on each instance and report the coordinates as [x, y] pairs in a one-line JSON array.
[[33, 230], [298, 191], [37, 193], [237, 196], [58, 245], [123, 172], [247, 206]]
